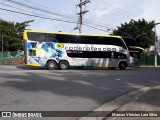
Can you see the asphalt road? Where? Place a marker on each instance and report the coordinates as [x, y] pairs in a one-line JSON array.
[[68, 90]]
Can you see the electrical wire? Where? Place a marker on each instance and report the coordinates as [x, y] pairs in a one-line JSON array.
[[37, 16], [38, 9], [88, 21], [49, 12], [51, 9], [50, 18], [116, 11], [19, 8]]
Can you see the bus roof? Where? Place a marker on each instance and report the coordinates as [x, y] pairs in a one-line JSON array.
[[67, 33]]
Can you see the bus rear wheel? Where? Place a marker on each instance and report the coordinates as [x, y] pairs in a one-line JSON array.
[[122, 65], [63, 65], [51, 65]]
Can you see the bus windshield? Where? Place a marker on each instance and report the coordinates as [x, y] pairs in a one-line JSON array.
[[129, 41]]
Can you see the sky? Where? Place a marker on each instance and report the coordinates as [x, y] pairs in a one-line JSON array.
[[107, 13]]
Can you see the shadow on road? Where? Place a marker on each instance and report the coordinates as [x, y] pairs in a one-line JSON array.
[[97, 85], [72, 68]]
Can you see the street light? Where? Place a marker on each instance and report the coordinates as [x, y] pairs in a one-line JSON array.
[[155, 60], [128, 35], [140, 35], [74, 29], [136, 36]]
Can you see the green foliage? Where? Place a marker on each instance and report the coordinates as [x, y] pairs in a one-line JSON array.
[[12, 35], [135, 28]]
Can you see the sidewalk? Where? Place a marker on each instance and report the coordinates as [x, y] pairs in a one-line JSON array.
[[142, 100], [14, 66], [19, 66], [147, 101], [148, 66]]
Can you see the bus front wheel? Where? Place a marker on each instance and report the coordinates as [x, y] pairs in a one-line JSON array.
[[63, 65], [122, 65], [51, 65]]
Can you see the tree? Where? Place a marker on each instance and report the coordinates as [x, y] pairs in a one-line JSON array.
[[142, 28], [12, 35]]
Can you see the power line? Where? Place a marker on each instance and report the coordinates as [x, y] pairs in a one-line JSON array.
[[37, 16], [49, 12], [98, 28], [36, 8], [117, 11], [51, 18], [99, 25], [114, 12], [18, 8], [46, 7]]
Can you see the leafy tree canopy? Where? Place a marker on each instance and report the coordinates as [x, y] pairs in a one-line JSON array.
[[141, 31], [12, 35]]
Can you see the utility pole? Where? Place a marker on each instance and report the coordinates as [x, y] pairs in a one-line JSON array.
[[155, 60], [81, 13], [80, 17]]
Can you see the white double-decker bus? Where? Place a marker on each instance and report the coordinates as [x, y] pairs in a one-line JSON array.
[[63, 50]]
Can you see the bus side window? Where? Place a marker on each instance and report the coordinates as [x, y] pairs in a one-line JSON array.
[[72, 39], [51, 38], [102, 40], [77, 39], [69, 39], [87, 39], [60, 38], [37, 36]]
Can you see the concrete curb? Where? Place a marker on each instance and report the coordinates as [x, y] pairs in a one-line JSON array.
[[148, 66], [118, 103]]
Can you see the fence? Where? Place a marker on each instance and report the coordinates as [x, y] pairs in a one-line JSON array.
[[149, 60], [17, 57], [12, 57]]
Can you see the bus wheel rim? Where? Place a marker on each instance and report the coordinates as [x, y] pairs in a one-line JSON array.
[[63, 65], [52, 65]]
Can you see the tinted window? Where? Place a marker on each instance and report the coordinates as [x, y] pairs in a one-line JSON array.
[[95, 54], [89, 54], [129, 41], [76, 39], [110, 41], [87, 39], [90, 40], [37, 36], [60, 38], [51, 38], [71, 39]]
